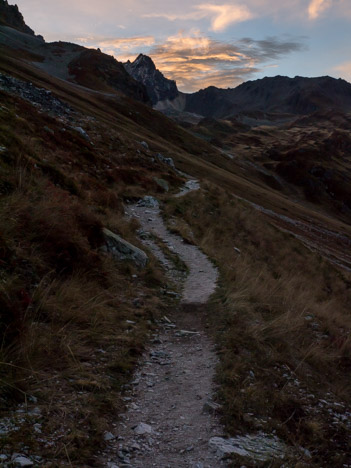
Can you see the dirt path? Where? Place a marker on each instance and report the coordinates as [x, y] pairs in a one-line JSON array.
[[171, 415]]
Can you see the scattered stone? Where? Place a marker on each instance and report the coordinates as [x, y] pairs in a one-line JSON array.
[[187, 333], [211, 407], [168, 161], [108, 436], [123, 250], [143, 429], [82, 132], [238, 251], [2, 149], [148, 202], [144, 145], [20, 460], [258, 448]]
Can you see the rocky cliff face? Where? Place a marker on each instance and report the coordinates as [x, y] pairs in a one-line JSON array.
[[158, 87], [11, 16]]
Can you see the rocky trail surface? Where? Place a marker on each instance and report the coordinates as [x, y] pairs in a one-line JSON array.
[[171, 416]]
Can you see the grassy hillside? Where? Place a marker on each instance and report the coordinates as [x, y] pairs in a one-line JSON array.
[[282, 322], [74, 323]]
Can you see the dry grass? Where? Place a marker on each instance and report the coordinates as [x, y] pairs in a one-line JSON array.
[[284, 326], [71, 332]]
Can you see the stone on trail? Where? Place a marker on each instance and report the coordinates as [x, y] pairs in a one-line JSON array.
[[148, 202], [211, 407], [123, 250], [257, 448], [20, 460], [108, 436], [142, 429]]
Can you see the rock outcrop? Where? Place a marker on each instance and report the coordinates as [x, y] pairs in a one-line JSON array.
[[158, 87], [123, 250], [12, 17]]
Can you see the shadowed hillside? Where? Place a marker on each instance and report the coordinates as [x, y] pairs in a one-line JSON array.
[[87, 289]]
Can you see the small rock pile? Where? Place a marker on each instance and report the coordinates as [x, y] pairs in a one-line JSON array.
[[39, 97]]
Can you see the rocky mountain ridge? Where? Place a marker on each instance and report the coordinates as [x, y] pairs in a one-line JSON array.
[[269, 95], [279, 94], [158, 87], [12, 17], [71, 62]]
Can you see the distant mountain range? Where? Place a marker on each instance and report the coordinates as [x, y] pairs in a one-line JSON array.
[[279, 94], [141, 80]]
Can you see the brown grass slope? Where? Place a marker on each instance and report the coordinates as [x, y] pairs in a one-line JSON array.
[[65, 305], [282, 322], [66, 345]]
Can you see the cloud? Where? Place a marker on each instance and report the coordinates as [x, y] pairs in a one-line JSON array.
[[343, 70], [124, 46], [195, 61], [221, 16], [225, 15], [316, 8]]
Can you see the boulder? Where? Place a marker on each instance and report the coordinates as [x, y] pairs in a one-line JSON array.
[[20, 460], [148, 202], [168, 161], [123, 250], [256, 448], [163, 184]]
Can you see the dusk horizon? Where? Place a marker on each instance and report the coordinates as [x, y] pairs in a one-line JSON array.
[[220, 43]]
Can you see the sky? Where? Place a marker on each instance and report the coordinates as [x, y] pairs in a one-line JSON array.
[[200, 43]]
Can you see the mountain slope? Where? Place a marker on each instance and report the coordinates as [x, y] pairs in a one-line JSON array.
[[71, 62], [272, 95]]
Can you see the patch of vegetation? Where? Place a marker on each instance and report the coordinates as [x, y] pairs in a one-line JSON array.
[[70, 333], [282, 324]]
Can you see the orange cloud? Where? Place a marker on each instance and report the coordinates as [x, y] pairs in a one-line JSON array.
[[225, 15], [316, 8], [127, 43], [195, 61], [343, 70]]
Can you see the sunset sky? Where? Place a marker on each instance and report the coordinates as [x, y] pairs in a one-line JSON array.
[[200, 43]]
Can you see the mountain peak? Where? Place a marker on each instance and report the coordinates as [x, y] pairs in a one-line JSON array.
[[144, 61], [159, 88], [12, 17]]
